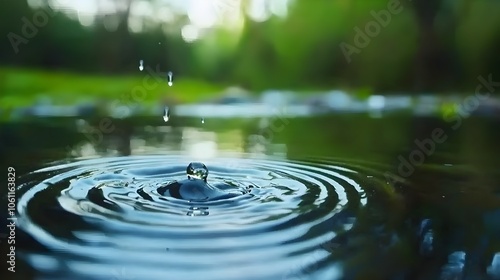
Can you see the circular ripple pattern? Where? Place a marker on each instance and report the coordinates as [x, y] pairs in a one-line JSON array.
[[104, 218]]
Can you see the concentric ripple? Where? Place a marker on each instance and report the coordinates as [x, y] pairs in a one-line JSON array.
[[104, 218]]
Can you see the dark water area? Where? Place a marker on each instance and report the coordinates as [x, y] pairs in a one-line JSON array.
[[331, 197]]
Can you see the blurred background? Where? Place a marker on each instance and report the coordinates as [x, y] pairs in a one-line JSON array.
[[355, 80], [69, 52], [246, 59]]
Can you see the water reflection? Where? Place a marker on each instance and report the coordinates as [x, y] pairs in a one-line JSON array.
[[196, 142], [441, 221]]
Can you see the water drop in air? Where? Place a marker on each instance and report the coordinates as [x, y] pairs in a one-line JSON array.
[[166, 114], [170, 75], [202, 120], [197, 170], [141, 65]]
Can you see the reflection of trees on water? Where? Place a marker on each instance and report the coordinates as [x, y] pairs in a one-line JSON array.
[[256, 139], [444, 221], [261, 138], [421, 233], [452, 203], [127, 138], [463, 220], [447, 213]]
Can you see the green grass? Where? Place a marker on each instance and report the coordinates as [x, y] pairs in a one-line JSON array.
[[22, 87]]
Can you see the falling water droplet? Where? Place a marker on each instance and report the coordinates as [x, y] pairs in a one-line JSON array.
[[166, 114], [202, 120], [170, 75], [141, 65]]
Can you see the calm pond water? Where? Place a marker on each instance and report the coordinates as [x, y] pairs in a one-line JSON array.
[[332, 197]]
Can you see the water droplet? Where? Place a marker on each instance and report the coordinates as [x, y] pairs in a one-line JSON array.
[[141, 65], [197, 170], [202, 120], [166, 114], [170, 76]]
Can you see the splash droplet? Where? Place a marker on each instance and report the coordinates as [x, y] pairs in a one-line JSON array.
[[202, 120], [197, 170], [141, 65], [166, 114], [170, 76]]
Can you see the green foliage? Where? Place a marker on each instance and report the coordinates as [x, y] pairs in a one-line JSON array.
[[22, 87], [429, 46]]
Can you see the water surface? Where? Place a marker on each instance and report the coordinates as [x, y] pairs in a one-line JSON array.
[[318, 200]]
